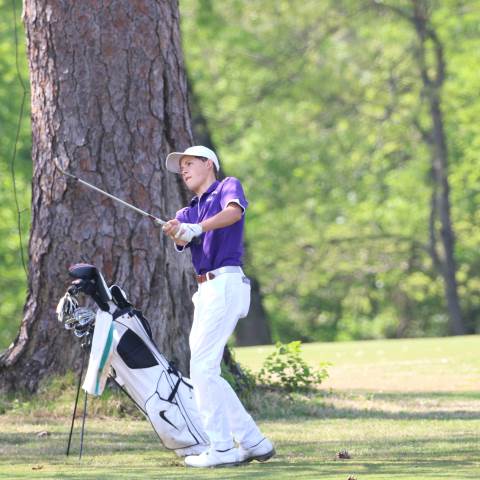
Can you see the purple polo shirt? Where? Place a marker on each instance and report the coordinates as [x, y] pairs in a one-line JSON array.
[[224, 246]]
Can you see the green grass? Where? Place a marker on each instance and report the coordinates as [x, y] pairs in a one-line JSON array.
[[403, 409], [422, 364]]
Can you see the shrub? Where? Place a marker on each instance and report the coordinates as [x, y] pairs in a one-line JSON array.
[[286, 369]]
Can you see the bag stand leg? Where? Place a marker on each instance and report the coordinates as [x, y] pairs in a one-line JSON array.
[[76, 402], [83, 425]]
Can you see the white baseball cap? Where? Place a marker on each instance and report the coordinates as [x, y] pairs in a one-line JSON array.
[[173, 159]]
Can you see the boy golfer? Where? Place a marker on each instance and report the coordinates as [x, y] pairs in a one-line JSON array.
[[212, 227]]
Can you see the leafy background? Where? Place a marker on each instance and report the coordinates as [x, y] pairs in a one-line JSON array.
[[316, 107], [13, 282]]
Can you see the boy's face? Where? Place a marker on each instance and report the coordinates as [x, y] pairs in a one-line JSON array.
[[195, 171]]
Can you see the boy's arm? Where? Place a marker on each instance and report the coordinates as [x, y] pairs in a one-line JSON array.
[[233, 203], [231, 214]]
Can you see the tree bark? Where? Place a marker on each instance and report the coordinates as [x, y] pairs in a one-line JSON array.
[[109, 101], [254, 329]]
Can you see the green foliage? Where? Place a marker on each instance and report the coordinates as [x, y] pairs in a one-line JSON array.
[[13, 283], [286, 369], [317, 107]]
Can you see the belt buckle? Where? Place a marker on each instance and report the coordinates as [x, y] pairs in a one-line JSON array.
[[210, 275]]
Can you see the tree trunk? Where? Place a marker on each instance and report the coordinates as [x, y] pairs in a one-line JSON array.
[[433, 77], [109, 100], [448, 264], [432, 86], [254, 329]]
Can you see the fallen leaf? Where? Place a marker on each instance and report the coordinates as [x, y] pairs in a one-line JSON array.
[[343, 455]]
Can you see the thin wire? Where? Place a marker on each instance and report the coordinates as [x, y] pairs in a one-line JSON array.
[[19, 125]]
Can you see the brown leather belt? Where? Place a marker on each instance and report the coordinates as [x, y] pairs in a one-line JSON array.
[[204, 277], [218, 271]]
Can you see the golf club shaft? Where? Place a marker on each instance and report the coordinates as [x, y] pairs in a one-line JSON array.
[[156, 220]]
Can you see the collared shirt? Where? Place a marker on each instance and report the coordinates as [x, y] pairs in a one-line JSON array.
[[224, 246]]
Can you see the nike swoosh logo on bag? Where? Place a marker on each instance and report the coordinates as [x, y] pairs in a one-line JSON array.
[[162, 415]]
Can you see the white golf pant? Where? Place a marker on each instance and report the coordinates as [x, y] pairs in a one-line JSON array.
[[219, 304]]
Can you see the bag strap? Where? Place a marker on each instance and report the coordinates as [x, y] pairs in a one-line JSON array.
[[173, 369], [119, 312], [175, 390]]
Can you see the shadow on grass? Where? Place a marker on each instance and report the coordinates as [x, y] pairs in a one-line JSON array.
[[109, 442], [275, 405], [409, 406], [335, 412], [407, 396]]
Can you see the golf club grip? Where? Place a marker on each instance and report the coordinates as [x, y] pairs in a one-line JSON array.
[[156, 221]]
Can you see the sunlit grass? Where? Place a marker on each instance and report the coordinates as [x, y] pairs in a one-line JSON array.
[[421, 364], [409, 429]]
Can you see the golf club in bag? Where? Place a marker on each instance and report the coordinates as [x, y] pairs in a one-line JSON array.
[[122, 348]]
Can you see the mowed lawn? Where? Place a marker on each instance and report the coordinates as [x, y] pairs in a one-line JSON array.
[[402, 409]]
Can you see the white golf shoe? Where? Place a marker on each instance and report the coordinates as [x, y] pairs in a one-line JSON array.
[[213, 458], [262, 451]]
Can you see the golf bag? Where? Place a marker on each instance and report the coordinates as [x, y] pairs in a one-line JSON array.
[[122, 348]]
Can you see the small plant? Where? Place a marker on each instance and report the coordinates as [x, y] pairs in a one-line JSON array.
[[285, 368]]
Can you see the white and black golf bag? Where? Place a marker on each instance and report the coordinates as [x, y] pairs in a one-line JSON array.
[[122, 348]]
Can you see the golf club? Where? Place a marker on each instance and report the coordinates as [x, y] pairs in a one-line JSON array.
[[156, 220], [132, 360]]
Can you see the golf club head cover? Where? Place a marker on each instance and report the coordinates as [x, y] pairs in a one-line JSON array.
[[92, 283]]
